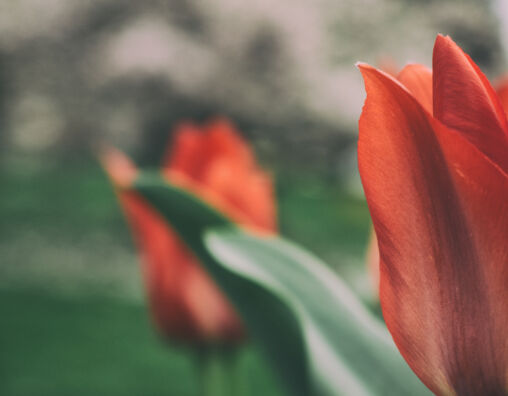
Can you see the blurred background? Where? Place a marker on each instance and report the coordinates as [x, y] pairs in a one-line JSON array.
[[74, 73]]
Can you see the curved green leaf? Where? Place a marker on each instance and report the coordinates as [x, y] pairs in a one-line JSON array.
[[349, 351], [317, 335]]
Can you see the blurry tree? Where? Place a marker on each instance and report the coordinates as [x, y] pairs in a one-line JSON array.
[[127, 71]]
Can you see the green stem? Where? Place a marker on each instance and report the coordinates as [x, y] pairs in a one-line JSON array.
[[219, 371], [232, 360], [211, 381]]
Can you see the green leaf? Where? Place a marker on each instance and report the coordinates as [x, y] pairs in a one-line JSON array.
[[349, 351], [315, 332]]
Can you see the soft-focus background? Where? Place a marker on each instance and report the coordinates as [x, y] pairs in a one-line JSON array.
[[74, 73]]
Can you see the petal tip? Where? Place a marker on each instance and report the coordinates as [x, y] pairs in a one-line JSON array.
[[443, 37], [118, 166], [364, 66], [443, 41]]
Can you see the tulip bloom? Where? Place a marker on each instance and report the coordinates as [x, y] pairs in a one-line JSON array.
[[418, 79], [433, 158], [216, 164]]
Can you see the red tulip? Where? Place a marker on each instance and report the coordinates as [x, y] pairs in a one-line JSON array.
[[435, 177], [215, 163]]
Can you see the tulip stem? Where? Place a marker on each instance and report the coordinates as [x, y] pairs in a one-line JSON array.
[[232, 361], [213, 373]]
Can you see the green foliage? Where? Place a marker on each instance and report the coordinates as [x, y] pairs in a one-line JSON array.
[[319, 213], [317, 335], [60, 346]]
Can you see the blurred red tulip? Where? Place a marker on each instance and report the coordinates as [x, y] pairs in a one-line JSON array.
[[214, 162], [433, 160]]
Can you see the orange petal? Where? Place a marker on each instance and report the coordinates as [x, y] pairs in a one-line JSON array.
[[418, 79], [171, 270], [172, 274], [211, 312], [187, 153], [247, 190], [194, 147], [439, 208], [218, 165], [224, 141], [464, 100], [120, 169], [165, 263]]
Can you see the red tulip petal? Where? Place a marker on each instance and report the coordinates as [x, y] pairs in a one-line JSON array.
[[418, 79], [440, 212], [223, 140], [218, 165], [185, 302], [211, 312], [248, 190], [121, 170], [187, 154], [194, 148], [465, 101], [171, 271], [165, 263]]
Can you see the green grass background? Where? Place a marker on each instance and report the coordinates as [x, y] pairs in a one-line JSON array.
[[73, 319]]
